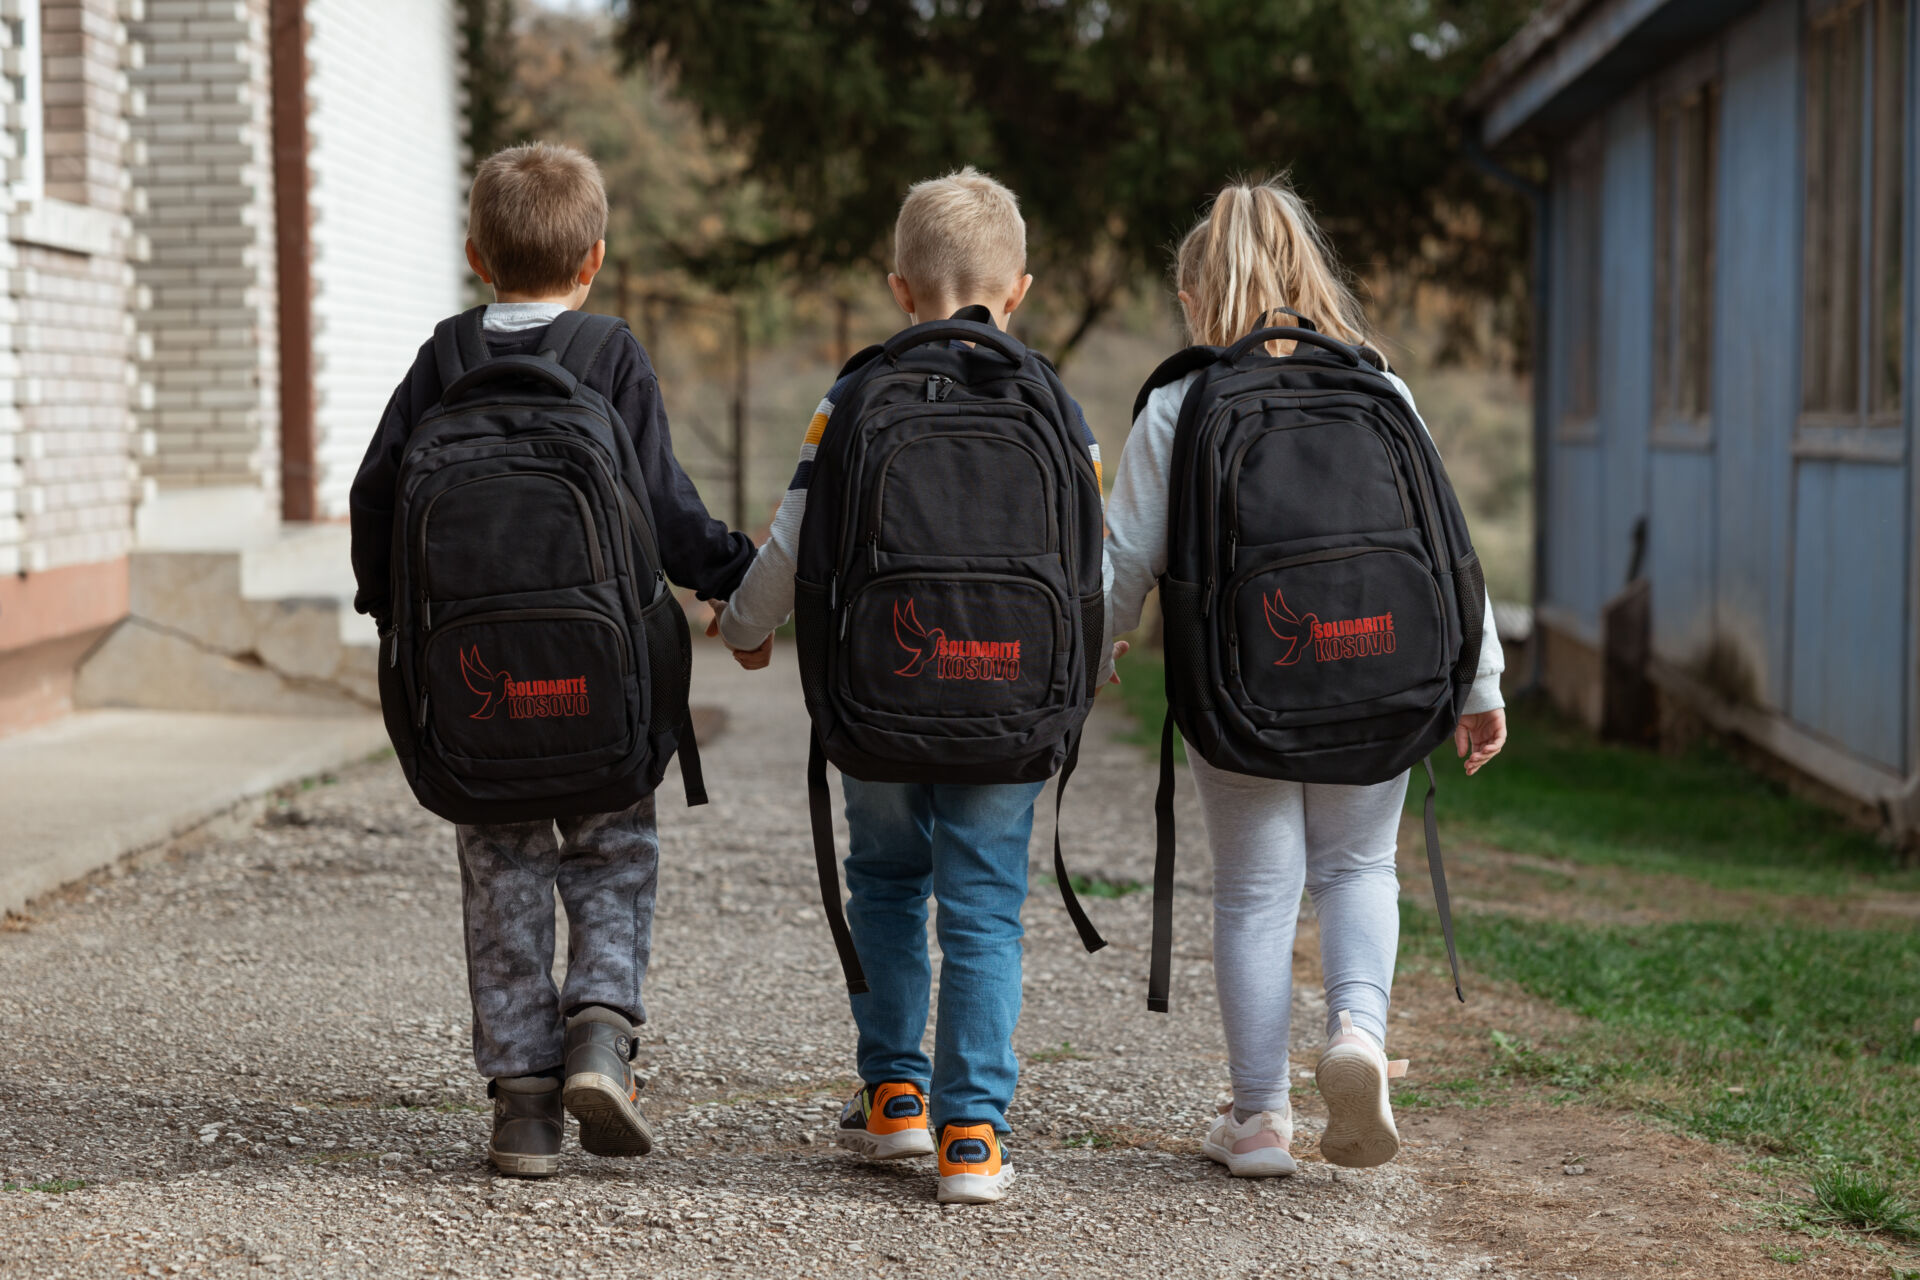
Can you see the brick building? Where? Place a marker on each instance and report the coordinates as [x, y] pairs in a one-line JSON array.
[[225, 226]]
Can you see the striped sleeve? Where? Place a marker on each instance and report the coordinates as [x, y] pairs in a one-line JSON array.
[[764, 598]]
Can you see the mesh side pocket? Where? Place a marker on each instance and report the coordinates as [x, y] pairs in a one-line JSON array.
[[1470, 590], [1093, 634], [812, 623], [669, 662], [1186, 640]]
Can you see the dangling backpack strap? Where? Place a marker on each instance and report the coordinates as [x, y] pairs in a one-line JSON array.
[[460, 344], [820, 803], [576, 340], [1160, 966], [1089, 936], [1172, 369], [1439, 873], [692, 777]]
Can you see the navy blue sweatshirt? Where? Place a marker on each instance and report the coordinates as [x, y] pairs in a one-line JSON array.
[[697, 551]]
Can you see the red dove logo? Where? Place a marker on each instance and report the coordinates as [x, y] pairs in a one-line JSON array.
[[1297, 632], [914, 638], [491, 687]]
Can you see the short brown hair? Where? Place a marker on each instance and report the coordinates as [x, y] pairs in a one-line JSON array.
[[535, 213], [960, 234]]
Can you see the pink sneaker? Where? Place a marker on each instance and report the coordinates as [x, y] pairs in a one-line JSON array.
[[1254, 1149], [1352, 1076]]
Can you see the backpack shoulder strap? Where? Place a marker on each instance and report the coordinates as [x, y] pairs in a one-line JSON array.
[[1172, 369], [859, 360], [577, 339], [460, 344]]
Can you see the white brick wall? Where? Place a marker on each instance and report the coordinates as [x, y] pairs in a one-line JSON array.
[[68, 480], [209, 334], [389, 209]]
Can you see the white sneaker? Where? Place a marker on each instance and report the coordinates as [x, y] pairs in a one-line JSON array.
[[1255, 1148], [1352, 1076]]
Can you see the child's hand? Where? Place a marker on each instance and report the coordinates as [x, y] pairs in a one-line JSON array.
[[755, 659], [1120, 648], [750, 659], [1479, 737]]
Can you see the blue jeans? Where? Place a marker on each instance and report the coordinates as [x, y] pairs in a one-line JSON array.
[[967, 845]]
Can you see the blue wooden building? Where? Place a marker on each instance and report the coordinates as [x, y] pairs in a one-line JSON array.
[[1727, 296]]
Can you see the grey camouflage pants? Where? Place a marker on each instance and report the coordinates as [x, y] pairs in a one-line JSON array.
[[607, 869]]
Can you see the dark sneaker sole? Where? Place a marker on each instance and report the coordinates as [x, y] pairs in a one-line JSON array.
[[610, 1122], [515, 1165]]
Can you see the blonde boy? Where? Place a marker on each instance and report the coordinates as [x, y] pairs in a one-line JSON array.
[[960, 251]]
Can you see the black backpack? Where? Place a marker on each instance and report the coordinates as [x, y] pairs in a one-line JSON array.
[[537, 664], [947, 593], [1322, 602]]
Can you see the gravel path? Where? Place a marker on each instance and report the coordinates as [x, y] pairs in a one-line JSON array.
[[252, 1052]]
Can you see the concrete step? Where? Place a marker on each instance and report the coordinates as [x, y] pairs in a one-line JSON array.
[[88, 789], [264, 628]]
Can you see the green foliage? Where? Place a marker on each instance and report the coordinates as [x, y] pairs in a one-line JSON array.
[[1097, 886], [1557, 792], [1112, 119], [1794, 1041], [673, 191], [1143, 691], [487, 54], [52, 1186], [1860, 1202]]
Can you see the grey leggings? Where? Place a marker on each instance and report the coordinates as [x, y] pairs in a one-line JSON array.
[[1270, 839]]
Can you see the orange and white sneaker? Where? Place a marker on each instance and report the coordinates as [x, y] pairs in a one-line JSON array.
[[973, 1165], [1352, 1076], [886, 1122]]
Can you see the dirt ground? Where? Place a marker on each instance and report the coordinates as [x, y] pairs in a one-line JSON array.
[[248, 1055]]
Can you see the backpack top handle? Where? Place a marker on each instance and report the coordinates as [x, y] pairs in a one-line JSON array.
[[511, 369], [948, 330], [1259, 338], [1304, 322]]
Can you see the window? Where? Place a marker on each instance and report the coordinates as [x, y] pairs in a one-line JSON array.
[[1853, 366], [1580, 291], [27, 169], [1686, 138]]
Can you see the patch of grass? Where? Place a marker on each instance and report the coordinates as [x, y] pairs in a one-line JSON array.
[[1143, 691], [1791, 1040], [1065, 1053], [1558, 792], [1097, 886], [1468, 1092], [1779, 1254], [52, 1186], [1860, 1201], [1095, 1139]]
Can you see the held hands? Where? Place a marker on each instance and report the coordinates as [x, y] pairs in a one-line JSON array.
[[750, 659], [1120, 648], [1479, 737]]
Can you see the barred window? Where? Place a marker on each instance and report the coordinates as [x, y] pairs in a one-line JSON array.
[[1685, 146]]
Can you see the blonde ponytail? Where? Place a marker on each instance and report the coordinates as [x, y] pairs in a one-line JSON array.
[[1258, 248]]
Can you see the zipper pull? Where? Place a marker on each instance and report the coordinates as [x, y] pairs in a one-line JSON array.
[[1206, 601], [659, 582], [1233, 657], [873, 551], [426, 614], [393, 658], [833, 592], [845, 619], [421, 723], [939, 386], [1233, 548]]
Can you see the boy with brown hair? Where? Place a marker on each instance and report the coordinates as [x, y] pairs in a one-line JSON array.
[[536, 233], [960, 251]]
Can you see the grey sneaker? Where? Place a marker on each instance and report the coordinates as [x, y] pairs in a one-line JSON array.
[[527, 1126], [601, 1092]]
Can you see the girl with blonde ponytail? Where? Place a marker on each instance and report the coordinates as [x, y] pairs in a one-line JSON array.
[[1257, 249]]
